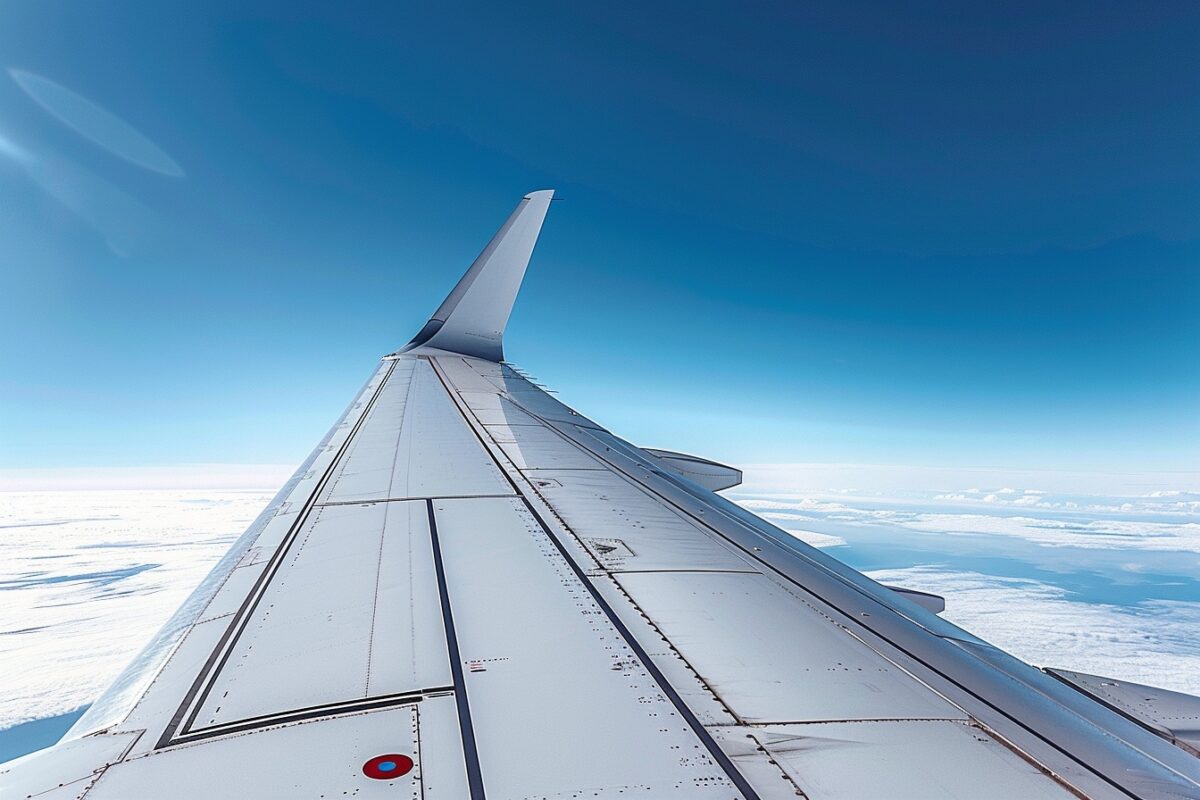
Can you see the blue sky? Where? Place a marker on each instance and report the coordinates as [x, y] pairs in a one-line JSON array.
[[956, 234]]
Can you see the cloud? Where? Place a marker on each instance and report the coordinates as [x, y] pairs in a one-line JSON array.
[[1151, 642], [78, 558], [813, 538], [800, 504], [1079, 528], [246, 477], [892, 480], [1096, 534], [74, 564]]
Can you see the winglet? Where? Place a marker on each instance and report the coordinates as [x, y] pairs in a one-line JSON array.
[[472, 318]]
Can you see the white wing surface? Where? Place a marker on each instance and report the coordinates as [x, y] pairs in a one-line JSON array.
[[469, 590]]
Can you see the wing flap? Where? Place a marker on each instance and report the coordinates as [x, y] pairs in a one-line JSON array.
[[324, 631], [324, 756], [927, 759], [558, 700], [1173, 715], [744, 632]]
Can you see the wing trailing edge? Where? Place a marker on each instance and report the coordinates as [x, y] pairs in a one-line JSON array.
[[1175, 716], [472, 318]]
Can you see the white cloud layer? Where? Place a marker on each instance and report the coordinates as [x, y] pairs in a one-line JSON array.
[[221, 477], [894, 481], [1101, 534], [1154, 643], [1131, 528], [86, 578]]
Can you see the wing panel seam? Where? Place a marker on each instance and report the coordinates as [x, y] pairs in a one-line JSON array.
[[718, 755], [462, 703], [882, 637], [198, 692]]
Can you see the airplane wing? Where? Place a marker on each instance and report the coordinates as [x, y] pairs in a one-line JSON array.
[[470, 590]]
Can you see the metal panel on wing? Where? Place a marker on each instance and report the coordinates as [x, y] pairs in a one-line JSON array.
[[772, 657], [413, 444], [899, 760], [313, 758], [561, 703], [626, 529], [351, 613]]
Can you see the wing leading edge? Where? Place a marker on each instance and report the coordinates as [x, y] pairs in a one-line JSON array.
[[471, 590]]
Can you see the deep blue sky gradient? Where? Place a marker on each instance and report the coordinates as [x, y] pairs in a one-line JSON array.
[[952, 234]]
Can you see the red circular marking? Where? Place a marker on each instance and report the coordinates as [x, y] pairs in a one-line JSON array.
[[391, 765]]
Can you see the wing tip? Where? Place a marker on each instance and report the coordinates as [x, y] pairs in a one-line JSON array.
[[472, 318]]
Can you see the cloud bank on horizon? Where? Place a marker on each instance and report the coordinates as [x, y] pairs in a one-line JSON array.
[[1101, 583]]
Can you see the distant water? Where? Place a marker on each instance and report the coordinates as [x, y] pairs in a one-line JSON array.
[[29, 736], [1107, 583]]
